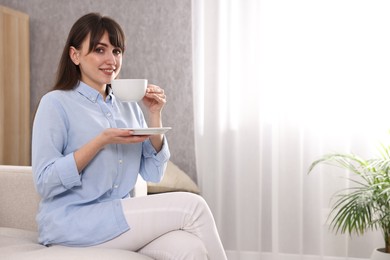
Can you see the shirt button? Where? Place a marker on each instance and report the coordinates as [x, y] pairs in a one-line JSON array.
[[108, 114], [120, 161], [116, 186]]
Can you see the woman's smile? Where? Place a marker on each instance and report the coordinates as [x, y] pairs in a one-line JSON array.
[[108, 71]]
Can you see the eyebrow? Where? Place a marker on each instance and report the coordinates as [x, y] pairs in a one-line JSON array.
[[100, 43], [106, 45]]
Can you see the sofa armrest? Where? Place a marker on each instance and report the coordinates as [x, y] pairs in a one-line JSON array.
[[18, 198]]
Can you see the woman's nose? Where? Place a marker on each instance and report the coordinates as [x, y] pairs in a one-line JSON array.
[[111, 59]]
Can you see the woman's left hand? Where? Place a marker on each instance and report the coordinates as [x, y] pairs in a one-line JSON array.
[[154, 98]]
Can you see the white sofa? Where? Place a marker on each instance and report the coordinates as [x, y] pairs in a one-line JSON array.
[[18, 229]]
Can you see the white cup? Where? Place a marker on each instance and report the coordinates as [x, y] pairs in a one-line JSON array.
[[131, 90]]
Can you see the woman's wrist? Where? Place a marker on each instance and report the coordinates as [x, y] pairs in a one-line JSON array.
[[100, 141], [155, 119]]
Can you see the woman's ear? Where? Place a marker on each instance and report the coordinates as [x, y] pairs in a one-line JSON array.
[[74, 55]]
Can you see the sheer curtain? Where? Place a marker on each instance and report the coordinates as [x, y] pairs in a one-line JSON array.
[[278, 83]]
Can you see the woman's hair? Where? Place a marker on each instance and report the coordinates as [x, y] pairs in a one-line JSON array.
[[95, 25]]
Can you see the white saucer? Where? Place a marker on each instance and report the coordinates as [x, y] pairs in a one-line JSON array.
[[149, 131]]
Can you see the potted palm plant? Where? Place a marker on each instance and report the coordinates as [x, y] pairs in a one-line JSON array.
[[366, 204]]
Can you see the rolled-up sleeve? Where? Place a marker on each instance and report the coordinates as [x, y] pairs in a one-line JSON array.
[[154, 163], [54, 172]]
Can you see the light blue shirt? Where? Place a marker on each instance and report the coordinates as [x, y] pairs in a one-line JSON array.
[[85, 209]]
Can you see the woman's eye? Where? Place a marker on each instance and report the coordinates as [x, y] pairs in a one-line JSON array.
[[99, 50], [117, 51]]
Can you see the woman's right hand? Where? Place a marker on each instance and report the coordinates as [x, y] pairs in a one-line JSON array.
[[120, 136]]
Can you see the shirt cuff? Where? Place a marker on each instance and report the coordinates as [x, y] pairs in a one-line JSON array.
[[67, 172], [161, 156]]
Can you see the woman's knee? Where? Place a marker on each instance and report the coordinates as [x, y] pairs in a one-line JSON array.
[[194, 199], [176, 245]]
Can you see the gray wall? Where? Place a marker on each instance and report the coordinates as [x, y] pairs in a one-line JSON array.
[[158, 48]]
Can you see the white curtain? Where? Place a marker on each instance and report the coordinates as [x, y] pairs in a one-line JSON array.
[[277, 84]]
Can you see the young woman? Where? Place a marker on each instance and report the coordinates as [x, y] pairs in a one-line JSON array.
[[85, 166]]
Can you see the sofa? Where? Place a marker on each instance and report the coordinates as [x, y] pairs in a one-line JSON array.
[[18, 229], [19, 203]]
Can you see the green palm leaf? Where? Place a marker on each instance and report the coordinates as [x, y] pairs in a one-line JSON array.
[[366, 205]]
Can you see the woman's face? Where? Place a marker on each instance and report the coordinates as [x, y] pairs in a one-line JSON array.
[[101, 65]]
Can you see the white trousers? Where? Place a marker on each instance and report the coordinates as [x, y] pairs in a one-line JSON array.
[[170, 226]]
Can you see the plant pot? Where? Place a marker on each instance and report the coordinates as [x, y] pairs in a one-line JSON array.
[[379, 254]]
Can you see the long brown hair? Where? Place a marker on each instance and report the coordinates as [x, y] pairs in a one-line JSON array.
[[68, 74]]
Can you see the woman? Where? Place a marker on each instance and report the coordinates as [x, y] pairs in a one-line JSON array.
[[85, 165]]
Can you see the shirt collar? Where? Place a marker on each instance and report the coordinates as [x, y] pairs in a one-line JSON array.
[[90, 93]]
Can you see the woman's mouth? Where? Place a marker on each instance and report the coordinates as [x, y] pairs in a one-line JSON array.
[[108, 71]]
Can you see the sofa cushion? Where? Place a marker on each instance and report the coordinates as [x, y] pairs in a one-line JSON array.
[[16, 244], [174, 180]]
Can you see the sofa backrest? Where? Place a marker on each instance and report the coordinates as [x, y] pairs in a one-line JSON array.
[[18, 198]]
